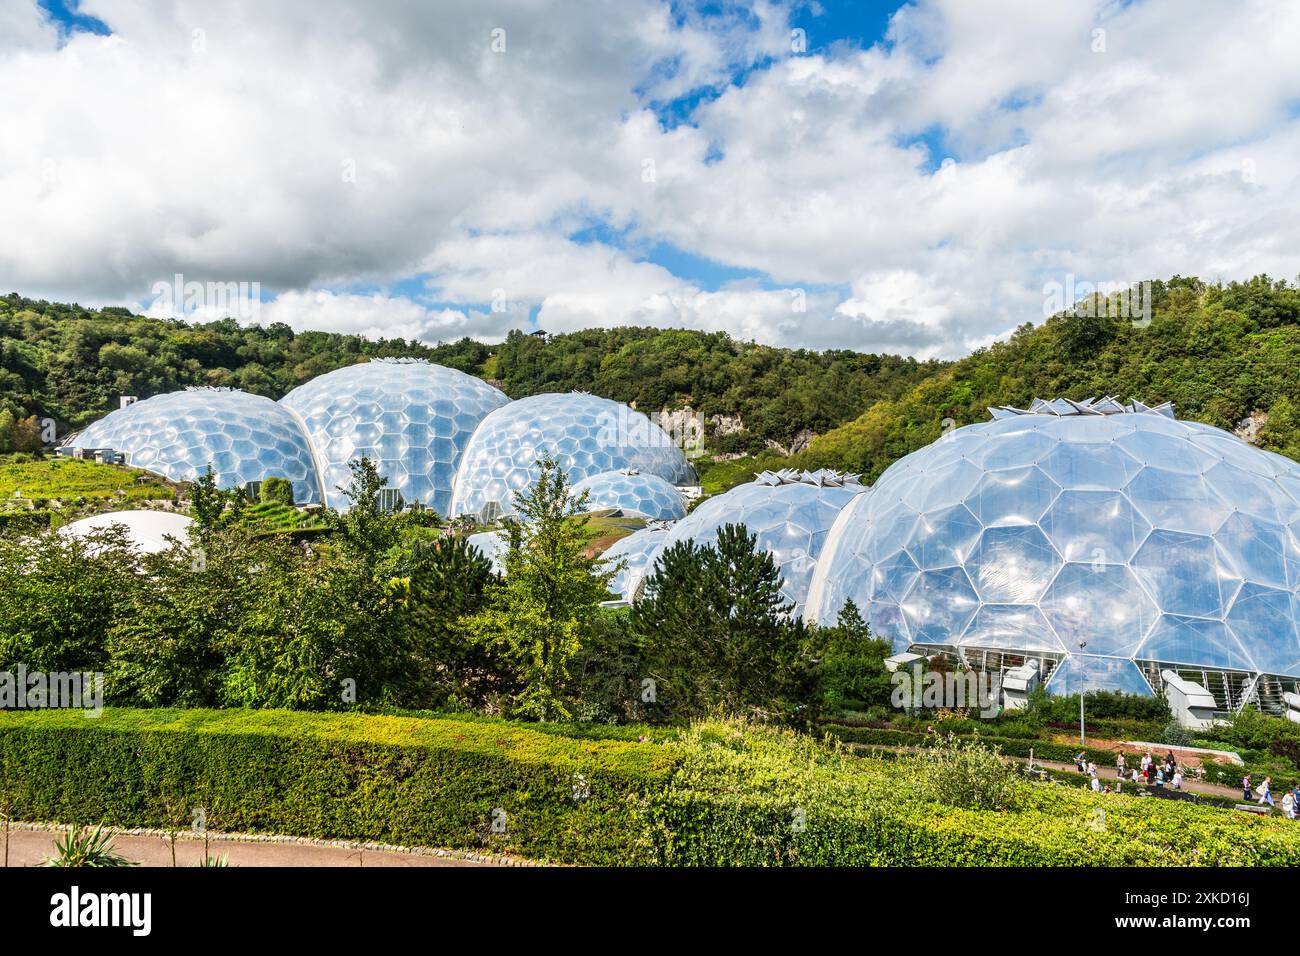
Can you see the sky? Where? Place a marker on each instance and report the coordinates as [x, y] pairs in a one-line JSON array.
[[909, 178]]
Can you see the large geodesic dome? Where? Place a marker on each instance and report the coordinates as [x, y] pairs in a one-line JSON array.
[[412, 418], [632, 491], [178, 435], [788, 512], [585, 434], [636, 551], [1107, 541]]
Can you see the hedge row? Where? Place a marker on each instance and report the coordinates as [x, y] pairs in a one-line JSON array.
[[718, 794], [401, 780], [1011, 746]]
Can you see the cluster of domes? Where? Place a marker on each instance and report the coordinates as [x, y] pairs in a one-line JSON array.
[[443, 439], [1108, 539]]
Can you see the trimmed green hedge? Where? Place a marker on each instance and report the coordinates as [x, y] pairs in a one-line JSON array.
[[1011, 746], [718, 794], [431, 782]]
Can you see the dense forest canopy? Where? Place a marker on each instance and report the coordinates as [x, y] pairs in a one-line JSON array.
[[71, 363]]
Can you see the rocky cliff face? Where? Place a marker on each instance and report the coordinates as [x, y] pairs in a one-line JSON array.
[[1248, 428]]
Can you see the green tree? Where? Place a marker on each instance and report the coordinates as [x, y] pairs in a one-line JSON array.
[[536, 618], [60, 596], [207, 501], [444, 583], [852, 672], [365, 530], [167, 647], [718, 634]]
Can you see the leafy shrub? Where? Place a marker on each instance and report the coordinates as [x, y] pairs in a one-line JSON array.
[[87, 847], [1251, 730], [721, 793], [763, 796], [1099, 705], [963, 773]]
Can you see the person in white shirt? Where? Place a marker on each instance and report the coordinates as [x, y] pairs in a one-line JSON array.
[[1096, 785], [1288, 805], [1178, 779]]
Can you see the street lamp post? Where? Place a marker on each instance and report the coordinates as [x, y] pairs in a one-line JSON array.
[[1083, 685]]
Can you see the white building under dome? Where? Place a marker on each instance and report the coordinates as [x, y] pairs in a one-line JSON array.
[[1109, 542]]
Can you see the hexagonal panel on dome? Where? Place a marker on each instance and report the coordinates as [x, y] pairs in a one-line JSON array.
[[1094, 467], [585, 434], [1014, 497], [407, 416], [1012, 565], [180, 434], [1196, 641], [1256, 549], [893, 578], [1264, 621], [633, 492], [944, 538], [939, 605], [1183, 574], [1095, 526], [1177, 502], [1102, 605]]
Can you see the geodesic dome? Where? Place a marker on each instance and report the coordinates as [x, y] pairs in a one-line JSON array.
[[585, 434], [1111, 539], [637, 550], [178, 435], [150, 532], [411, 418], [789, 513], [632, 491]]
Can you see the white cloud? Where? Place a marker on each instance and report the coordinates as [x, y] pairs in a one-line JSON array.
[[319, 146]]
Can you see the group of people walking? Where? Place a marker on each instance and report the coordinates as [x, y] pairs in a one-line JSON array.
[[1262, 793], [1152, 772], [1161, 773]]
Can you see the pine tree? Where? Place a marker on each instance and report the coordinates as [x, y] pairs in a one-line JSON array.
[[718, 633]]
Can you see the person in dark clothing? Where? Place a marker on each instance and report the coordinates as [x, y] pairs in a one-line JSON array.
[[1245, 788]]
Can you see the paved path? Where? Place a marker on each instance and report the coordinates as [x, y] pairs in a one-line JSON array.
[[31, 847], [1107, 775]]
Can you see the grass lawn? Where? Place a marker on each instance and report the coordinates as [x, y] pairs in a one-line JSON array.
[[66, 479]]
